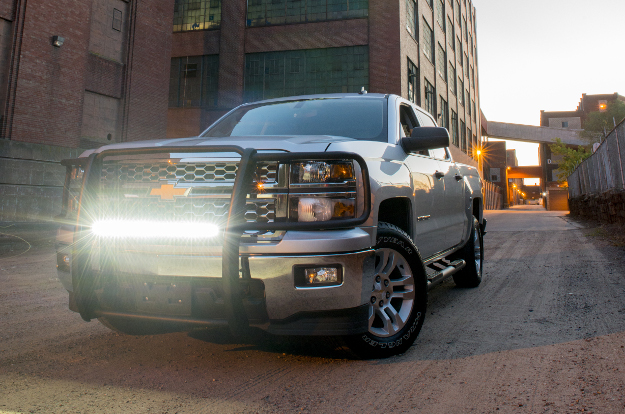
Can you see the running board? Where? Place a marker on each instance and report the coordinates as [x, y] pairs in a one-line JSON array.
[[444, 273]]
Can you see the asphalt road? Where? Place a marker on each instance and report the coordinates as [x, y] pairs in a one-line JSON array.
[[543, 333]]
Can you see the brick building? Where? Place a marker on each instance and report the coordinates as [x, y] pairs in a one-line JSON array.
[[78, 74], [75, 74], [225, 53]]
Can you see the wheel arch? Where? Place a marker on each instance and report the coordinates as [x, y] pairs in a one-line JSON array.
[[398, 212]]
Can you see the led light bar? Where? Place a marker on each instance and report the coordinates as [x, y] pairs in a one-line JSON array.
[[154, 229]]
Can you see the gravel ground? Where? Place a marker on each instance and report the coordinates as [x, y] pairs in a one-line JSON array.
[[543, 333]]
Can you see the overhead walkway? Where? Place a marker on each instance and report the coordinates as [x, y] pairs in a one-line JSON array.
[[530, 133]]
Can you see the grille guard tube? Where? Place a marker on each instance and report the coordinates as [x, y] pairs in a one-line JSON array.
[[236, 223]]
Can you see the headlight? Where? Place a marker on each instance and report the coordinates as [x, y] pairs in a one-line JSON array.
[[322, 209], [320, 172]]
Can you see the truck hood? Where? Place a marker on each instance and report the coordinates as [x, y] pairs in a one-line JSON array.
[[308, 143]]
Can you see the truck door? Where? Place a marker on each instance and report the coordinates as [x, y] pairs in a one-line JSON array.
[[429, 192], [455, 215]]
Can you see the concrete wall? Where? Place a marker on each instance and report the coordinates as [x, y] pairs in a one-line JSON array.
[[31, 180]]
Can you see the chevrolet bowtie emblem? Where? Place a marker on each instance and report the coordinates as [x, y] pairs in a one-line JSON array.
[[167, 192]]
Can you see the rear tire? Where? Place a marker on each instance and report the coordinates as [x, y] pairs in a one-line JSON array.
[[398, 298], [472, 253]]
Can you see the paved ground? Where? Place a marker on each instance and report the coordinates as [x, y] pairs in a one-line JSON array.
[[543, 333]]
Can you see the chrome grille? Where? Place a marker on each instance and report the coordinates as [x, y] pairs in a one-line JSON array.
[[127, 190], [201, 172]]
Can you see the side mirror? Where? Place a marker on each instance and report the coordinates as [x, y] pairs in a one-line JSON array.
[[426, 138]]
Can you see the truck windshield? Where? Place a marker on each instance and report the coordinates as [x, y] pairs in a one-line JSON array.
[[358, 118]]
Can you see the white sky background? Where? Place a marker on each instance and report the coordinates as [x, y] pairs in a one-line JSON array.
[[543, 54]]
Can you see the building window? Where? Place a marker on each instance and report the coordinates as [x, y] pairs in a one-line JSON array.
[[117, 20], [450, 35], [440, 13], [305, 72], [458, 13], [444, 115], [430, 98], [441, 59], [474, 110], [459, 50], [466, 31], [461, 91], [275, 12], [196, 15], [428, 41], [454, 128], [430, 3], [193, 81], [472, 78], [413, 82], [452, 79], [411, 17], [466, 66], [468, 105], [463, 137], [470, 142], [565, 124]]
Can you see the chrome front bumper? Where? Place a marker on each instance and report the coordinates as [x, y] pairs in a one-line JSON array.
[[271, 264]]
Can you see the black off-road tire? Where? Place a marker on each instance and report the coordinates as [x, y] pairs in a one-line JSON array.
[[472, 253], [398, 299]]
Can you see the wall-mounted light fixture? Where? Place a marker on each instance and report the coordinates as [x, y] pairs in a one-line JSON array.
[[58, 41]]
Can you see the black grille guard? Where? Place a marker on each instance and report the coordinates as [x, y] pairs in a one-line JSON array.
[[236, 224]]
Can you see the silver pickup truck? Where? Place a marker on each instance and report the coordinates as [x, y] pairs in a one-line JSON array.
[[312, 215]]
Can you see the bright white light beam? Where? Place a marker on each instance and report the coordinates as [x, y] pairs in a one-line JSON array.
[[154, 229]]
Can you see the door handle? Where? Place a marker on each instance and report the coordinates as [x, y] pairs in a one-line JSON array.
[[439, 174], [458, 177]]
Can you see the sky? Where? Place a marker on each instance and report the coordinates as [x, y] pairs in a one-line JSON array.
[[543, 54]]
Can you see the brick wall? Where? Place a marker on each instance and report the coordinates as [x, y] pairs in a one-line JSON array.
[[149, 65], [45, 99], [31, 180], [384, 47], [608, 207], [6, 9]]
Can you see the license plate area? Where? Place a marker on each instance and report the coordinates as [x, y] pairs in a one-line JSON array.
[[164, 298]]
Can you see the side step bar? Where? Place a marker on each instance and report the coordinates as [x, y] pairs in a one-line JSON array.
[[444, 272]]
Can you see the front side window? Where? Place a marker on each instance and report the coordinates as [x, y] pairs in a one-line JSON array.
[[357, 118]]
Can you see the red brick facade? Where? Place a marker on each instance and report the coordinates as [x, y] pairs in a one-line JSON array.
[[46, 85]]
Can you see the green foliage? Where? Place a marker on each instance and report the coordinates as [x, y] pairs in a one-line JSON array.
[[571, 158], [597, 123]]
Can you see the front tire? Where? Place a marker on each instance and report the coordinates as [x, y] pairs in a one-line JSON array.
[[398, 297]]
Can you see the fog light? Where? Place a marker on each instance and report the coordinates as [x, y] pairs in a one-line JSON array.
[[63, 261], [321, 275], [306, 276]]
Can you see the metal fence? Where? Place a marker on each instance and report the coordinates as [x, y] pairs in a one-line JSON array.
[[493, 199], [603, 170]]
